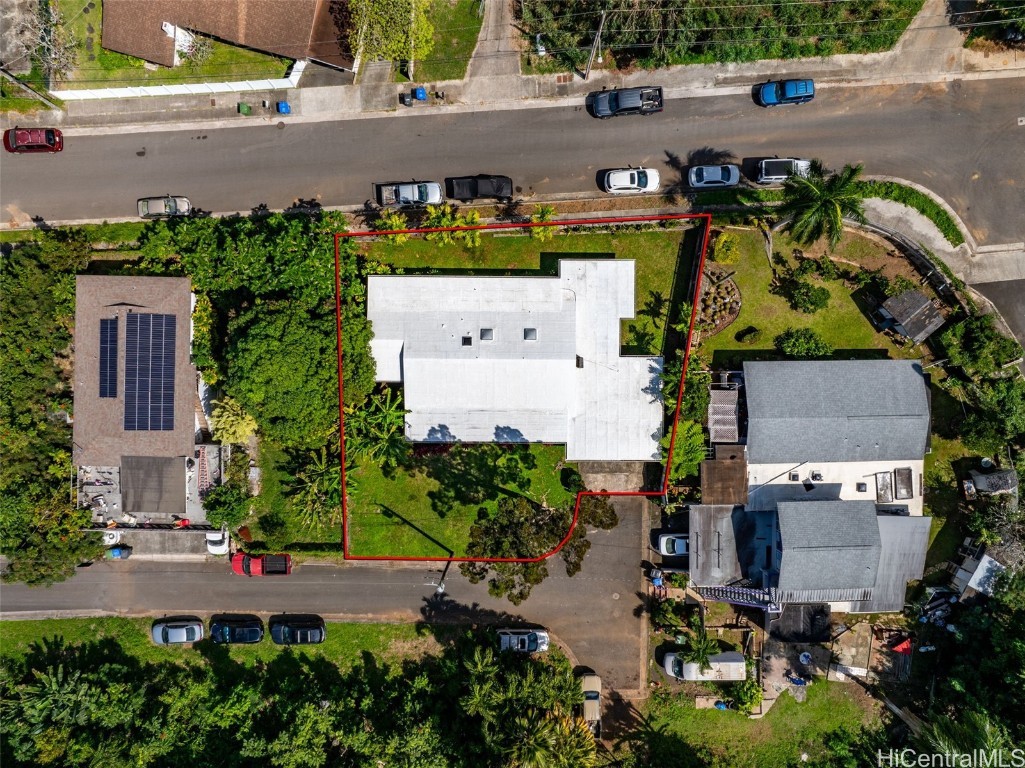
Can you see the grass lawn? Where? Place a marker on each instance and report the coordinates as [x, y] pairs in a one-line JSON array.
[[456, 28], [843, 324], [100, 67], [344, 644], [778, 739], [396, 516]]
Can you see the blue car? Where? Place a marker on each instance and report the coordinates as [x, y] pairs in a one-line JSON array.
[[778, 92]]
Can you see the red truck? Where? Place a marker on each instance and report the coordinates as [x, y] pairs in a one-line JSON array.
[[261, 565]]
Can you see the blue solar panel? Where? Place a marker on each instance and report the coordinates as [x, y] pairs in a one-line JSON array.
[[108, 358], [149, 372]]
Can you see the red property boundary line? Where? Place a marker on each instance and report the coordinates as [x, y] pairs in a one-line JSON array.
[[705, 217]]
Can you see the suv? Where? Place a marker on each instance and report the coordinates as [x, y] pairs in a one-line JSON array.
[[774, 93], [231, 630], [297, 630], [778, 169]]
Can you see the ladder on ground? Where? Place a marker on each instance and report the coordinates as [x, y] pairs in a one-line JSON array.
[[738, 595], [204, 471]]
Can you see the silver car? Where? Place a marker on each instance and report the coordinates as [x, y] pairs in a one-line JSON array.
[[164, 206], [186, 629], [673, 544], [713, 176]]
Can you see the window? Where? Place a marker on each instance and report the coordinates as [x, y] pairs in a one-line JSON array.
[[530, 334], [467, 341], [794, 477], [862, 487], [487, 334]]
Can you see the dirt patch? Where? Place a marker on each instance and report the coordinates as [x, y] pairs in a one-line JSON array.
[[416, 649]]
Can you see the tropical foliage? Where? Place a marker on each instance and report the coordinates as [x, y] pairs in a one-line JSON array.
[[817, 204], [389, 29], [688, 451], [802, 343], [231, 424]]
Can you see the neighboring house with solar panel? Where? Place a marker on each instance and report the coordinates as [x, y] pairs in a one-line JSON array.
[[821, 501], [135, 427], [520, 359]]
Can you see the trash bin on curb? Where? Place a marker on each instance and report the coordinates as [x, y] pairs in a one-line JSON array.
[[406, 99], [284, 108], [244, 109], [420, 93]]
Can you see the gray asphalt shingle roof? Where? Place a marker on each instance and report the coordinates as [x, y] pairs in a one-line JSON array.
[[828, 545], [846, 410]]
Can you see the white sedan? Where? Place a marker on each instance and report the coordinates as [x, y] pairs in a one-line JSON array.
[[713, 176], [673, 544], [629, 180]]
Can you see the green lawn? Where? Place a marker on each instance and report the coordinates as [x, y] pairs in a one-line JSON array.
[[843, 324], [778, 739], [398, 516], [343, 646], [100, 67], [945, 466], [456, 28]]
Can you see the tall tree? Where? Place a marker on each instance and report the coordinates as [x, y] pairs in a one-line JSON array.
[[817, 204]]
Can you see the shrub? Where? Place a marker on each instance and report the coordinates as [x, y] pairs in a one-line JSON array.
[[542, 213], [749, 335], [899, 285], [392, 220], [726, 249], [805, 297], [746, 695], [226, 505], [977, 346], [827, 268], [802, 343]]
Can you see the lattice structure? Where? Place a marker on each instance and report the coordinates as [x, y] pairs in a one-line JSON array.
[[723, 416]]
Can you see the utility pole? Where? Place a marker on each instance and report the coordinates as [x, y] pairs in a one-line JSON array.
[[594, 48]]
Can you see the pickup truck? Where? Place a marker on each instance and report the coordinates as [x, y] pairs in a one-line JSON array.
[[627, 101], [523, 640], [261, 565], [483, 186], [408, 194], [779, 169]]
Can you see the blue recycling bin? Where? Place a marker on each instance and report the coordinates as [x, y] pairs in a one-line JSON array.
[[284, 108], [420, 93]]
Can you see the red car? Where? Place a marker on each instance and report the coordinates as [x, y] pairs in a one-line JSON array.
[[261, 565], [33, 140]]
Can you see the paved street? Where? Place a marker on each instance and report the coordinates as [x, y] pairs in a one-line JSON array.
[[916, 132], [597, 613]]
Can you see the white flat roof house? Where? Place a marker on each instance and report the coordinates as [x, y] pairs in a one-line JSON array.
[[519, 359]]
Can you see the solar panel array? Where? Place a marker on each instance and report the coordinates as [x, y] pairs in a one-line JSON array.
[[149, 372], [108, 358]]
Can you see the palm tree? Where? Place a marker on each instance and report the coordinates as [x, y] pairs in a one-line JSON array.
[[533, 741], [318, 489], [231, 423], [58, 698], [817, 204], [700, 649], [376, 431], [974, 731]]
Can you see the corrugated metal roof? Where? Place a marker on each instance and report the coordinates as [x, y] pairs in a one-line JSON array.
[[722, 416], [856, 410], [714, 558], [905, 541], [514, 359], [828, 545]]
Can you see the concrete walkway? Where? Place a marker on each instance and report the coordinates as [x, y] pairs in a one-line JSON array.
[[498, 47]]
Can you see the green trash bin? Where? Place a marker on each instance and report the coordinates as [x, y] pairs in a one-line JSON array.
[[244, 109]]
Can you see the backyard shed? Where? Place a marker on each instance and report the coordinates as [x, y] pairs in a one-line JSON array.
[[912, 315]]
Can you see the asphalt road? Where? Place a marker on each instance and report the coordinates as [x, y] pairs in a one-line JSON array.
[[962, 140], [597, 613]]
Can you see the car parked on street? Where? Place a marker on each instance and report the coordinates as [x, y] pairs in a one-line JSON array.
[[632, 180], [673, 544], [33, 140], [591, 711], [218, 543], [261, 565], [523, 640], [165, 206], [713, 176], [297, 630], [646, 100], [483, 186], [777, 92], [175, 631], [231, 630]]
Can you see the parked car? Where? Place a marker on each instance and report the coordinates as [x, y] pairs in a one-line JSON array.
[[523, 640], [775, 93], [779, 169], [591, 686], [186, 629], [218, 543], [673, 665], [480, 187], [164, 207], [33, 140], [240, 630], [627, 180], [297, 630], [673, 544], [626, 101], [713, 176], [408, 194], [261, 565]]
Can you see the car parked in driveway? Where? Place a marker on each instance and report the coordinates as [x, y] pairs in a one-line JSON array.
[[632, 180], [523, 640], [777, 92], [33, 140], [164, 206], [297, 630], [186, 629], [230, 630], [713, 176], [591, 711], [218, 543], [673, 544]]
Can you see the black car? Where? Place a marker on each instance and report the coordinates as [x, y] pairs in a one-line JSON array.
[[483, 186], [236, 630], [297, 630]]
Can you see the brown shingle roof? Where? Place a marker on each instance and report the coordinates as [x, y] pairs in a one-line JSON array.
[[295, 29], [100, 438]]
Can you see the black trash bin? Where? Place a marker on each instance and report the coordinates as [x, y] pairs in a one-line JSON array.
[[406, 99]]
